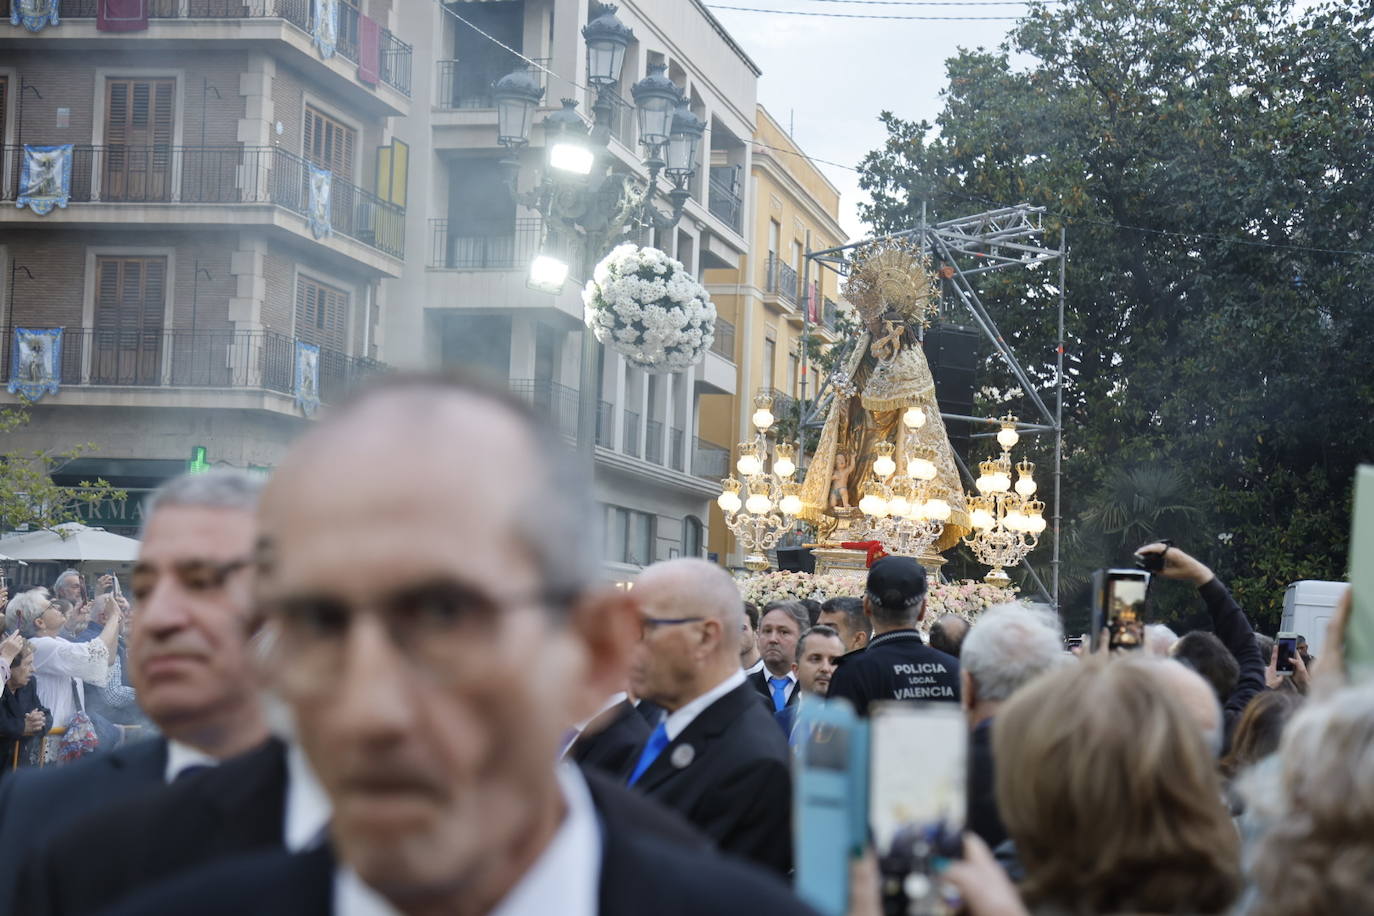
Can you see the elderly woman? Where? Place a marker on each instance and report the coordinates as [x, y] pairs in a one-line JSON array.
[[60, 666], [22, 717]]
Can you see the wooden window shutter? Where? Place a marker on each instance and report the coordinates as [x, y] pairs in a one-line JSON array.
[[329, 144], [108, 274], [117, 113], [154, 293], [4, 94], [321, 314]]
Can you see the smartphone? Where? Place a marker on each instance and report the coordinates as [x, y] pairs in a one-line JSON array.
[[1073, 642], [829, 801], [1119, 608], [918, 798], [1288, 647]]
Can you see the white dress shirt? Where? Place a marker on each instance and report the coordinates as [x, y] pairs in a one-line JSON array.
[[679, 719], [565, 879], [181, 757], [786, 691], [756, 666], [307, 806]]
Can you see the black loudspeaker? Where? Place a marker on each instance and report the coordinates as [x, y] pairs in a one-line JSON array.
[[952, 353], [796, 559]]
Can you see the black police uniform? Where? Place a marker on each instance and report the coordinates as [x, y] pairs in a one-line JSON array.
[[897, 665]]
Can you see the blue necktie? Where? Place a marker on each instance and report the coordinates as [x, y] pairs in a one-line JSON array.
[[779, 687], [655, 745]]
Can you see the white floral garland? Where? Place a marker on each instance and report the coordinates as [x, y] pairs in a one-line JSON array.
[[648, 307]]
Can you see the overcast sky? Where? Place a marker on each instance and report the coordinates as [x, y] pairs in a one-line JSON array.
[[830, 77]]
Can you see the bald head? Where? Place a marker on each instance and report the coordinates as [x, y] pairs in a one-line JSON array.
[[455, 431], [1196, 696], [693, 615]]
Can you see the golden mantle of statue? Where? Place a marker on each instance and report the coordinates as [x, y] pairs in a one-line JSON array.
[[885, 375]]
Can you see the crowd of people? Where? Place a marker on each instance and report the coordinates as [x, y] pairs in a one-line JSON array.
[[388, 681]]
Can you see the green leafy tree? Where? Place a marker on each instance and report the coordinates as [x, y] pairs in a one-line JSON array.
[[1210, 163], [28, 497]]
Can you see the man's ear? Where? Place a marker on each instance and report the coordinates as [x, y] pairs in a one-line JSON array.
[[607, 623], [921, 615], [868, 611]]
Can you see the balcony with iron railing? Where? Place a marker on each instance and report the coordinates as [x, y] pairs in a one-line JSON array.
[[502, 248], [781, 280], [653, 442], [710, 461], [394, 55], [830, 314], [605, 424], [723, 343], [465, 85], [207, 359], [555, 402], [631, 433], [724, 201], [676, 438], [227, 176]]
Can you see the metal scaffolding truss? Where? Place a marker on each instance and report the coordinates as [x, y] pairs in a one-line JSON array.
[[1009, 237]]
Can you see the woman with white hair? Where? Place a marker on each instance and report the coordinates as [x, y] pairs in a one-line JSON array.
[[60, 666]]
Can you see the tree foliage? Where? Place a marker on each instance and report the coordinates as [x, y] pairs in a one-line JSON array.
[[1211, 164], [28, 497]]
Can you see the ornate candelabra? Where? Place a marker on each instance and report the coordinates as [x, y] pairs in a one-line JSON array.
[[761, 505], [901, 510], [1006, 521]]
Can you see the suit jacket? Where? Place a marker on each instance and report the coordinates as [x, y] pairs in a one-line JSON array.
[[37, 804], [983, 816], [14, 708], [234, 808], [728, 774], [646, 866], [611, 740], [760, 681]]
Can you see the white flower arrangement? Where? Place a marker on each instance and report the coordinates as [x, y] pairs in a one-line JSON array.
[[648, 307]]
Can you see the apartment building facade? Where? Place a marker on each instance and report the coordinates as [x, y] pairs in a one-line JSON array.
[[771, 299], [191, 256], [476, 242]]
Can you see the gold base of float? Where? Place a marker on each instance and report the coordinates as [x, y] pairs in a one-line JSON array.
[[833, 560]]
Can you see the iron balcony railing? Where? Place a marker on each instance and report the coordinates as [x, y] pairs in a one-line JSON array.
[[653, 442], [621, 117], [218, 358], [605, 424], [711, 461], [468, 84], [631, 433], [219, 175], [675, 445], [723, 343], [506, 248], [551, 400], [781, 279], [724, 202], [830, 314], [784, 405], [395, 55]]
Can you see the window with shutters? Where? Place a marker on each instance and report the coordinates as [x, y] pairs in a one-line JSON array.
[[130, 318], [321, 315], [139, 119], [329, 144]]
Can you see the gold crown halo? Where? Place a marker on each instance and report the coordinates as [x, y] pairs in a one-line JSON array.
[[893, 275]]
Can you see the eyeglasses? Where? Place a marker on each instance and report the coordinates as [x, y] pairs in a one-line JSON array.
[[652, 623], [196, 575]]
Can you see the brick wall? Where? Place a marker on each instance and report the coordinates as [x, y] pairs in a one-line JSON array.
[[69, 81]]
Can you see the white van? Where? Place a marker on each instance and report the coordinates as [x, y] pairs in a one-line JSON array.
[[1308, 607]]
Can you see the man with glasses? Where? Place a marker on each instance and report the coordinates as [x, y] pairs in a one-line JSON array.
[[189, 663], [426, 571], [718, 758]]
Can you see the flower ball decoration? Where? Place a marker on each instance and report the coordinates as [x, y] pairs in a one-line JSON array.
[[649, 308]]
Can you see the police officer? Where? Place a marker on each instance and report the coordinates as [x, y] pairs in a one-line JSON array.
[[897, 665]]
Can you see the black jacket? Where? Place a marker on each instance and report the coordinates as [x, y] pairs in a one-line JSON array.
[[727, 774], [645, 868], [14, 707], [895, 666], [983, 816], [37, 804], [760, 681], [611, 740], [234, 808], [1233, 629]]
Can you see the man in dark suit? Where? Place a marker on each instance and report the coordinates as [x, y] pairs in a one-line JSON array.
[[437, 625], [1006, 649], [188, 654], [607, 742], [818, 650], [718, 757], [780, 627], [897, 665]]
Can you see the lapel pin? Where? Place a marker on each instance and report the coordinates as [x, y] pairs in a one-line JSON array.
[[683, 755]]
